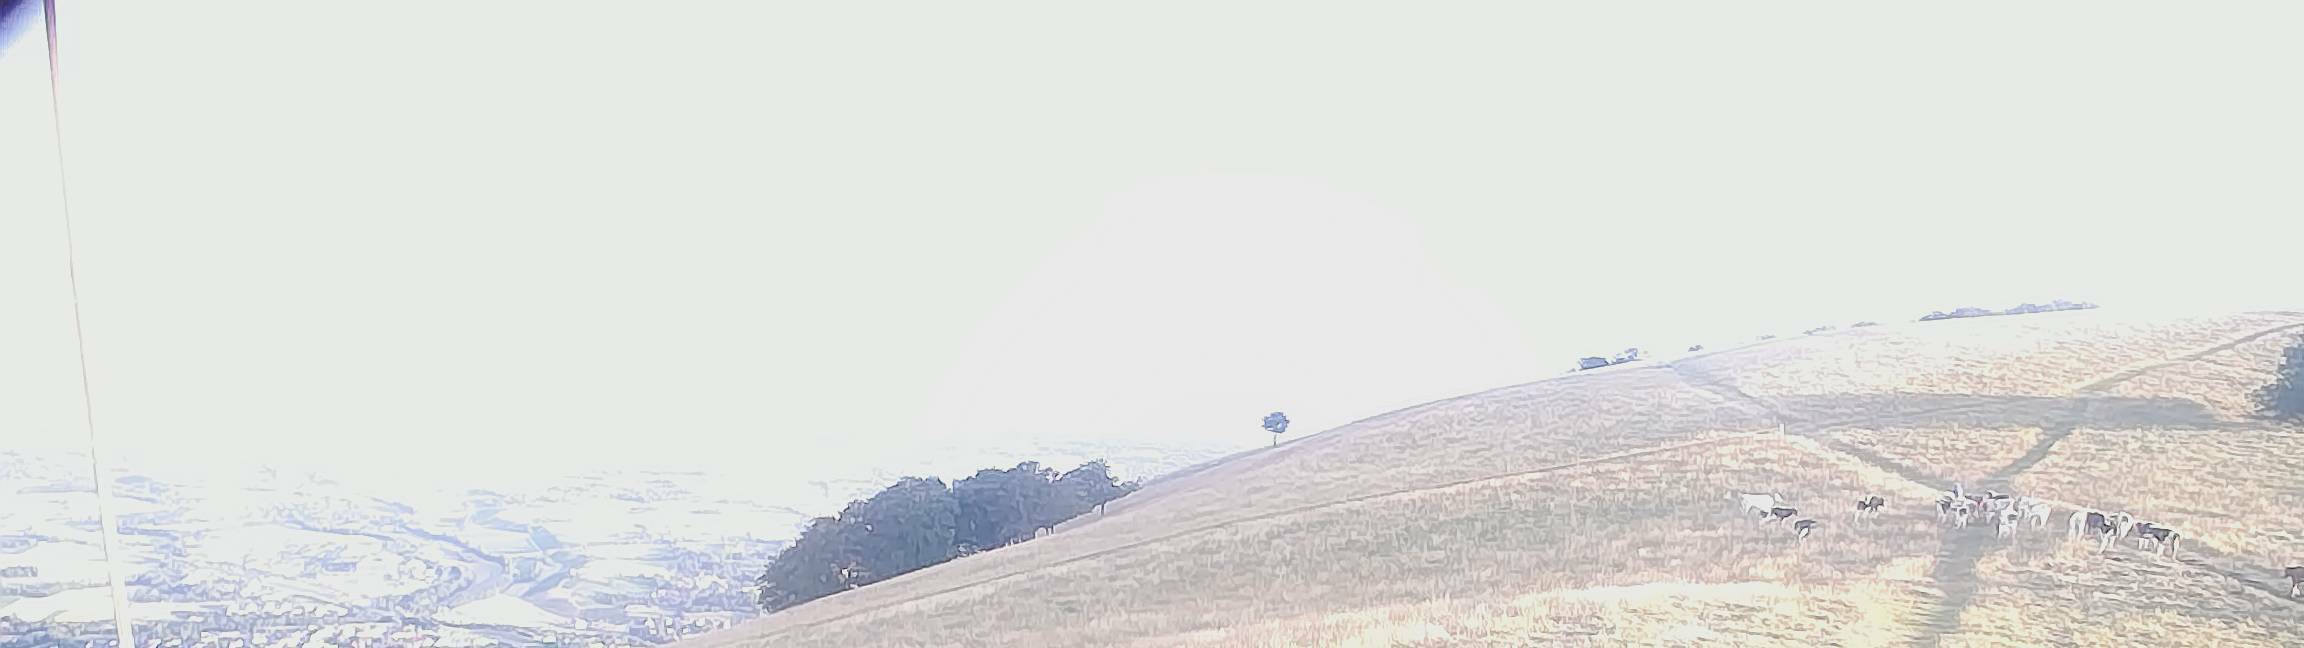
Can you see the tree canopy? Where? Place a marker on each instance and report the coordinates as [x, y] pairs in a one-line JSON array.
[[919, 521]]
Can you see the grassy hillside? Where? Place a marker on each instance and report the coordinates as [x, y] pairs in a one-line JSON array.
[[1590, 509]]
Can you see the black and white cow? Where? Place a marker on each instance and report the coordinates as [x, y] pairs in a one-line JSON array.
[[2296, 580], [1961, 511], [2007, 520], [1996, 504], [2078, 523], [1977, 507], [1802, 528], [1870, 506], [1778, 514], [2159, 538], [2140, 531], [2101, 528]]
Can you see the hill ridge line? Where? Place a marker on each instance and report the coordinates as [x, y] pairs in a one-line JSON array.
[[1733, 436], [2132, 372], [1806, 439], [1963, 553]]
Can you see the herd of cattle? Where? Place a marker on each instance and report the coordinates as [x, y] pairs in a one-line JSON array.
[[2006, 513]]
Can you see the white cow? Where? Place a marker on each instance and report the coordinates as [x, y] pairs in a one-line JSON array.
[[2036, 511], [1756, 503]]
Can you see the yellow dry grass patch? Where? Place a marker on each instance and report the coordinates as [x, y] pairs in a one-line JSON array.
[[1592, 510], [2237, 491], [1614, 524], [1662, 613], [1501, 432], [2223, 381], [1955, 454], [2046, 354], [2047, 593]]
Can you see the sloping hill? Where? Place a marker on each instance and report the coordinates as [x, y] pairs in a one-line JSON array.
[[1591, 509]]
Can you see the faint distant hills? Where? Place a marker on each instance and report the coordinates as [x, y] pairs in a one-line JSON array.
[[613, 556], [2020, 309]]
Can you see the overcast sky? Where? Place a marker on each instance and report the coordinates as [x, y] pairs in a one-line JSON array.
[[579, 232]]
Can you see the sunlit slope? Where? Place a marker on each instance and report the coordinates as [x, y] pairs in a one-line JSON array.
[[1590, 508]]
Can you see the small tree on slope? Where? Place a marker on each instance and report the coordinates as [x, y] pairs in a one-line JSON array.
[[2284, 398]]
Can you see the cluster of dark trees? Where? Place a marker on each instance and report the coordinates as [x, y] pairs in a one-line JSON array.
[[2284, 398], [1595, 362], [2027, 307], [919, 521]]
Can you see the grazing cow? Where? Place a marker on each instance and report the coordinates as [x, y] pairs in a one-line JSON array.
[[1961, 511], [1778, 514], [2296, 580], [1869, 506], [2158, 537], [2162, 538], [2115, 525], [1944, 505], [2036, 511], [2008, 520], [1802, 528], [1998, 504], [2078, 522], [1755, 502], [2103, 528], [2140, 531]]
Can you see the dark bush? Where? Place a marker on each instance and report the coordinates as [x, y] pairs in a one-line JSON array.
[[918, 522]]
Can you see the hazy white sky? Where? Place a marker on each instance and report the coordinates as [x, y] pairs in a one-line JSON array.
[[731, 231]]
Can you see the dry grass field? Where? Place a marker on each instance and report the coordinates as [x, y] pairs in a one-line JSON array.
[[1592, 510]]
